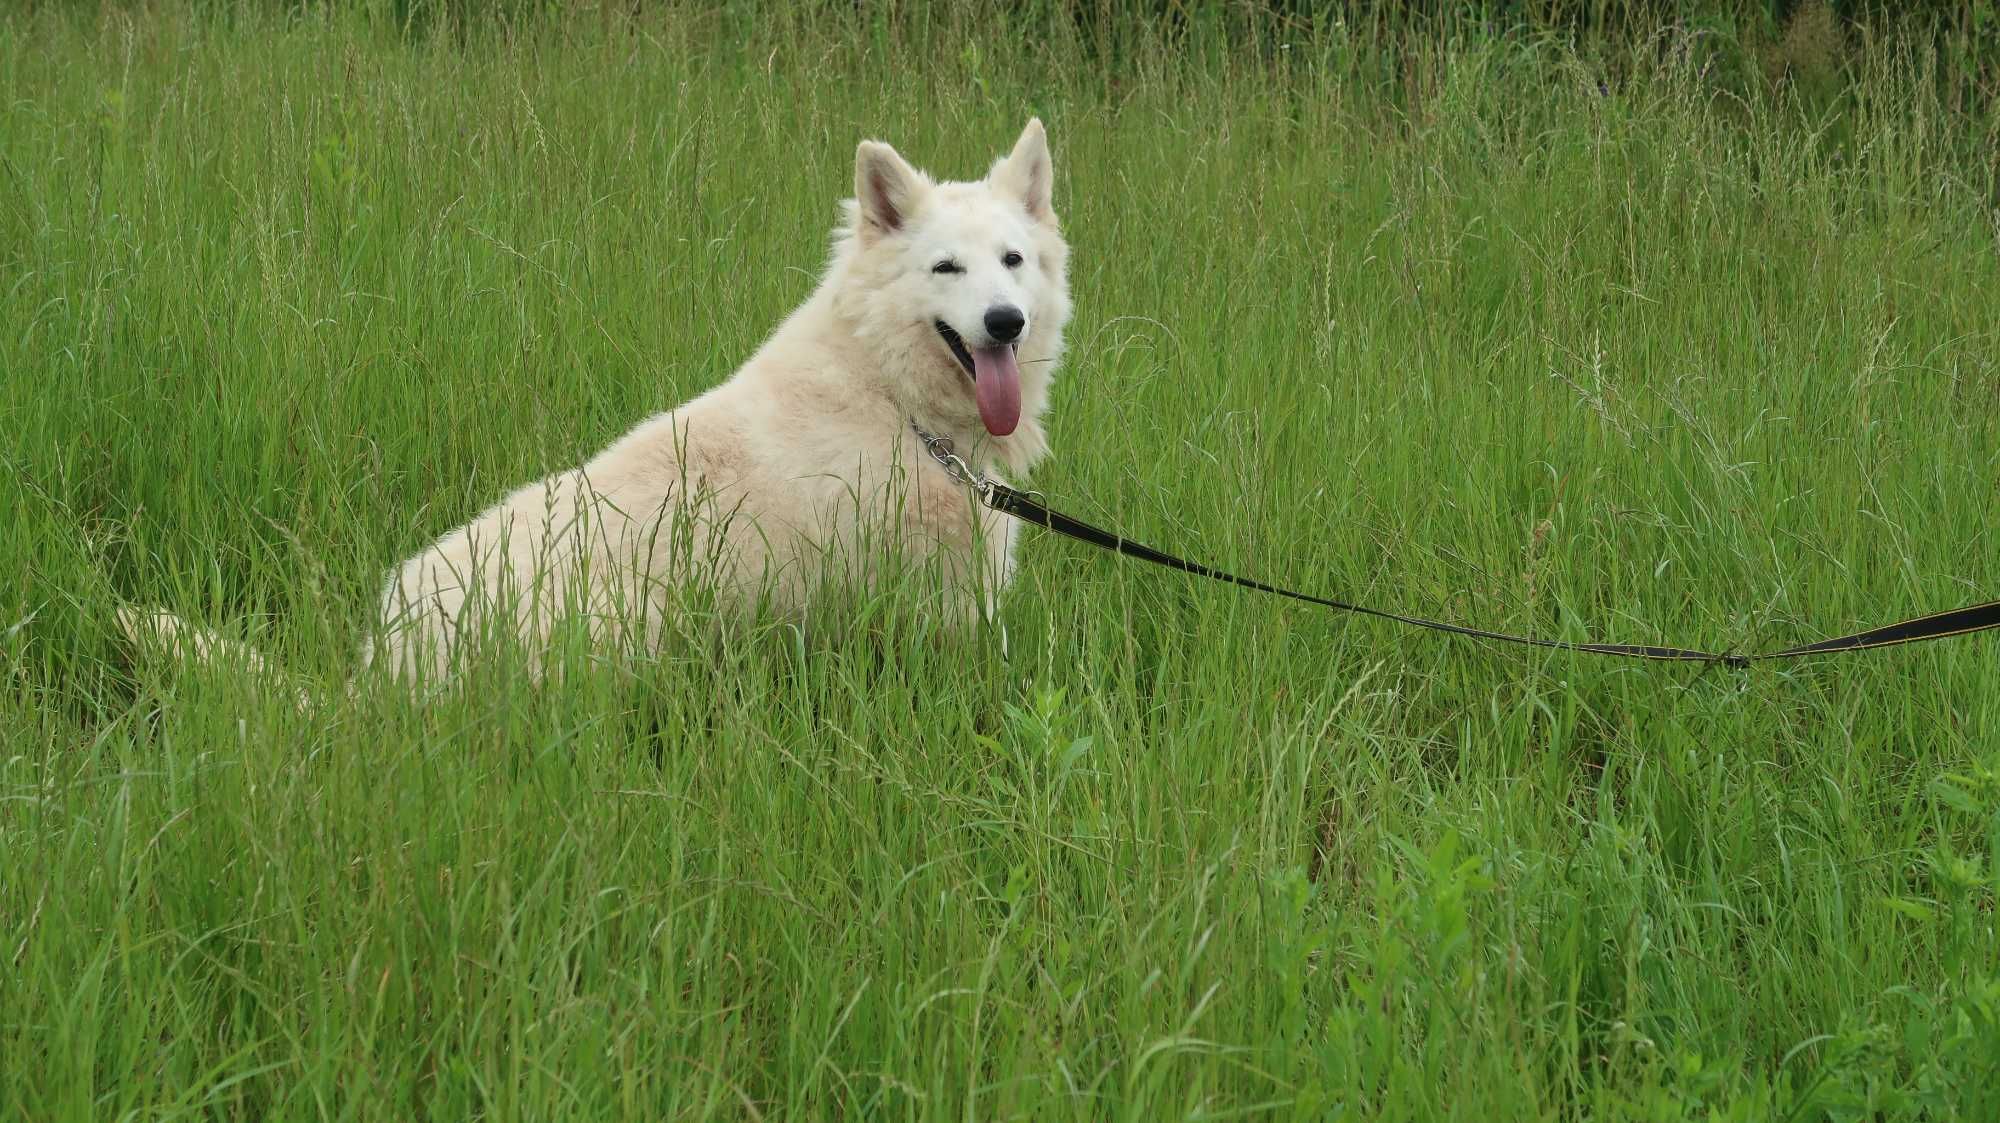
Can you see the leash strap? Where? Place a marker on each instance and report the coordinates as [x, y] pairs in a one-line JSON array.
[[1028, 509]]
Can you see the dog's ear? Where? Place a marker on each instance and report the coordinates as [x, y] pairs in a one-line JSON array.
[[886, 187], [1027, 173]]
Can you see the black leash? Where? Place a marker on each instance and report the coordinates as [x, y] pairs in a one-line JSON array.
[[1023, 506]]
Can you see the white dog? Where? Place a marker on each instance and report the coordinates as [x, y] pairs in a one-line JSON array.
[[943, 308]]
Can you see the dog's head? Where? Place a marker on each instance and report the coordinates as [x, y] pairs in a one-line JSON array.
[[966, 281]]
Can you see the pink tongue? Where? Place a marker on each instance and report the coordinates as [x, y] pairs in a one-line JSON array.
[[996, 382]]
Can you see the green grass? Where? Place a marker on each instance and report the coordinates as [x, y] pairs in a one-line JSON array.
[[1618, 348]]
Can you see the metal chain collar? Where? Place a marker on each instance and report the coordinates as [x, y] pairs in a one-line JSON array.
[[955, 466]]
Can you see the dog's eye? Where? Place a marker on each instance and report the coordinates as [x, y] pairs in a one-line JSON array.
[[946, 266], [1011, 259]]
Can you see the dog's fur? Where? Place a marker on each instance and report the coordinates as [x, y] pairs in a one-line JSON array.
[[785, 465]]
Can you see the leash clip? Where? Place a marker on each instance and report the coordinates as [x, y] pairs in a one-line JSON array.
[[954, 465]]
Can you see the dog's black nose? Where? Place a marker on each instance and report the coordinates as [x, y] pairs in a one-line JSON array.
[[1004, 323]]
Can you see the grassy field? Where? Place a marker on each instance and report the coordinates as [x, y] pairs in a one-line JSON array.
[[1629, 347]]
